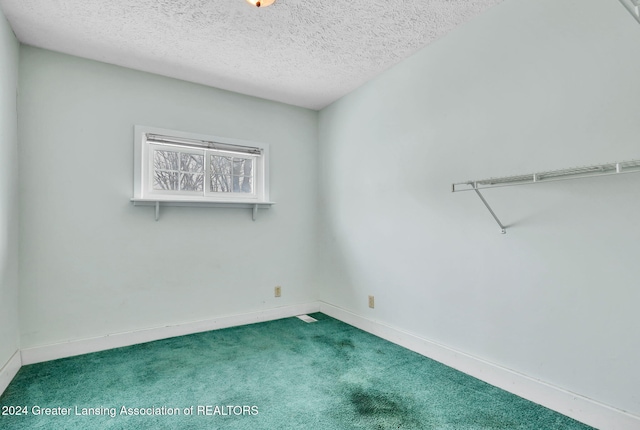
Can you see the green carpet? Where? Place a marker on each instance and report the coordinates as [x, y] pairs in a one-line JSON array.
[[284, 374]]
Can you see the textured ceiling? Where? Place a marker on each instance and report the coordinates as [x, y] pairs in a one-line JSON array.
[[302, 52]]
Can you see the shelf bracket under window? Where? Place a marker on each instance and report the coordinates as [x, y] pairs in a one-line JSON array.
[[201, 203]]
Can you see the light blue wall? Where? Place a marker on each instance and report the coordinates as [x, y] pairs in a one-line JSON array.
[[91, 263], [9, 334], [529, 85]]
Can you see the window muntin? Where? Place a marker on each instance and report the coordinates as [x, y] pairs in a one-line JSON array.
[[177, 169]]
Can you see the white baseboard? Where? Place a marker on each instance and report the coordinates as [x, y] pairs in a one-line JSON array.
[[9, 371], [84, 346], [573, 405]]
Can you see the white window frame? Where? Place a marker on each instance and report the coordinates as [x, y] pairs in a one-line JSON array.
[[149, 138]]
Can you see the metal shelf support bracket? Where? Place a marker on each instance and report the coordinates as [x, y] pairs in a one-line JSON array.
[[503, 229], [633, 6]]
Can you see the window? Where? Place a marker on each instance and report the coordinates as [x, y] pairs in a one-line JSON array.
[[175, 166]]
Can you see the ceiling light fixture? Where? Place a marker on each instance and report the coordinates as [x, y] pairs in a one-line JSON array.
[[261, 3]]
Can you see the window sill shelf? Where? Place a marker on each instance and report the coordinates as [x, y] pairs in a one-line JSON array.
[[202, 204]]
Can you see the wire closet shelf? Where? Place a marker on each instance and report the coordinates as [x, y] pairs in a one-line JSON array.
[[606, 169]]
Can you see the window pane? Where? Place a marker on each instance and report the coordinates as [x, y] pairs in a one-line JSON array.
[[191, 182], [165, 160], [242, 184], [165, 180], [192, 162], [220, 165], [220, 184], [242, 166]]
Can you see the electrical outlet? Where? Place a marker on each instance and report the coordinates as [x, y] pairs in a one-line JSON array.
[[372, 303], [277, 291]]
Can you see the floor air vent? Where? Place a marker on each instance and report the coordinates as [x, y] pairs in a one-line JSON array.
[[307, 318]]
